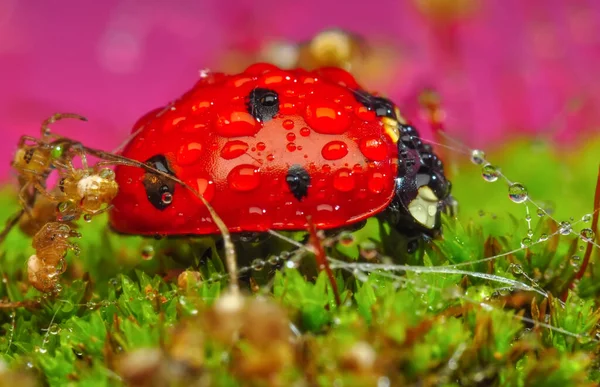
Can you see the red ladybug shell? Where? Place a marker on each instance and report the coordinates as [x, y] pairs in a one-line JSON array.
[[242, 165]]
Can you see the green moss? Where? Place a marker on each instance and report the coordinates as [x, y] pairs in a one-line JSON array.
[[428, 323]]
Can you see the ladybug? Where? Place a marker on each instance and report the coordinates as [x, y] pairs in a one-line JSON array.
[[268, 148]]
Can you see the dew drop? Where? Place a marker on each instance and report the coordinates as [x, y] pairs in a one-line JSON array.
[[490, 173], [305, 132], [565, 228], [587, 235], [274, 260], [540, 212], [53, 329], [189, 154], [575, 261], [346, 238], [368, 250], [526, 242], [260, 146], [586, 218], [326, 117], [373, 148], [364, 113], [147, 252], [543, 237], [291, 265], [477, 157], [517, 193], [290, 137], [233, 149], [87, 218], [376, 182], [288, 124], [344, 180], [205, 187], [236, 124], [166, 198], [258, 264], [270, 157], [290, 146], [334, 150], [244, 177]]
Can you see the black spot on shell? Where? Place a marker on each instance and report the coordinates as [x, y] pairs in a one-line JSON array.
[[157, 185], [263, 104], [298, 180]]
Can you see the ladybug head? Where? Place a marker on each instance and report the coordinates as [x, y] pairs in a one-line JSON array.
[[422, 189]]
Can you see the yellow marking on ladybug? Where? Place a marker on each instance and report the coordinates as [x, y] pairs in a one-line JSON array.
[[391, 128], [424, 207], [400, 117]]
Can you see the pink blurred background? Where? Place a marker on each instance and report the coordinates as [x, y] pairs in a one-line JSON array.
[[510, 66]]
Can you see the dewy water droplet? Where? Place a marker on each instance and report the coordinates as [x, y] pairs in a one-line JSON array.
[[346, 238], [233, 149], [258, 264], [147, 252], [368, 250], [586, 218], [244, 177], [344, 180], [490, 173], [477, 157], [334, 150], [565, 228], [53, 329], [526, 242], [373, 148], [288, 124], [326, 117], [305, 132], [575, 261], [543, 237], [587, 235], [236, 124], [517, 193], [541, 212], [166, 198]]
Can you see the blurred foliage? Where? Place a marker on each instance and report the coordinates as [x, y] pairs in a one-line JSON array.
[[124, 319]]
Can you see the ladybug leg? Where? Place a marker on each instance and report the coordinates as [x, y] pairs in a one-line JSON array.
[[351, 228], [250, 237]]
